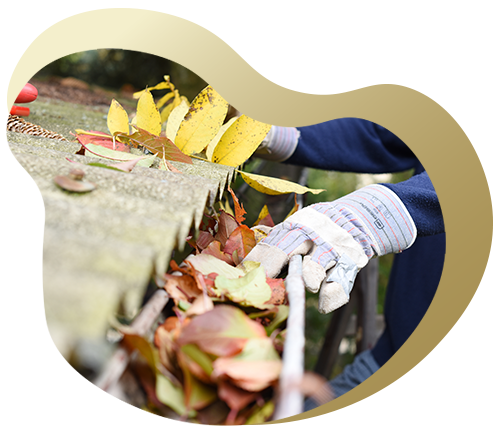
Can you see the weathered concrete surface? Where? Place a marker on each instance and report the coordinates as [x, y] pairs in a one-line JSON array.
[[101, 248]]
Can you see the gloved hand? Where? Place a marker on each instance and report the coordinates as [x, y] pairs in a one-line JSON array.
[[338, 239], [28, 94]]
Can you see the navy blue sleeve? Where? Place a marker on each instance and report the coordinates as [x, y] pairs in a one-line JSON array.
[[352, 145], [421, 201], [359, 146]]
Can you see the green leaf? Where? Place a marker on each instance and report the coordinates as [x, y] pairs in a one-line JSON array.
[[106, 153], [98, 164], [279, 318], [262, 414], [250, 290], [170, 395], [201, 358]]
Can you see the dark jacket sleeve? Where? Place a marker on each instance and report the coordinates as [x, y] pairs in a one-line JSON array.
[[352, 145], [421, 201], [359, 146]]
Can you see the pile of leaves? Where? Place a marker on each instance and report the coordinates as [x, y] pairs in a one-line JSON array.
[[216, 358]]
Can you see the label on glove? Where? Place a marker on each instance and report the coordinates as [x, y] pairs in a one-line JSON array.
[[383, 216]]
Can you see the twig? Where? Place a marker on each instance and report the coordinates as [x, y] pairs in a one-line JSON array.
[[140, 326]]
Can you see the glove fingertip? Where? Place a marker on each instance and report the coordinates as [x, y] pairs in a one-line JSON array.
[[313, 274], [331, 296], [271, 258]]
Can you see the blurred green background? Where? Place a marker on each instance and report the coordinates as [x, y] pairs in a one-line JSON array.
[[116, 70]]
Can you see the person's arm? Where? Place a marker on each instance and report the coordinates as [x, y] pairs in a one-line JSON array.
[[346, 145], [338, 238], [420, 199]]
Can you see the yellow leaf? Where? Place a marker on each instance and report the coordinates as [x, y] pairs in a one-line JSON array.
[[161, 102], [227, 208], [161, 85], [148, 117], [263, 213], [202, 122], [216, 139], [273, 186], [165, 113], [240, 141], [117, 118], [175, 118]]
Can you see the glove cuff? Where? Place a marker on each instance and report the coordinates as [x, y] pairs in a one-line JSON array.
[[383, 217], [279, 144]]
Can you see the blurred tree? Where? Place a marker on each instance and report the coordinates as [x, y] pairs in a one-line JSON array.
[[114, 68]]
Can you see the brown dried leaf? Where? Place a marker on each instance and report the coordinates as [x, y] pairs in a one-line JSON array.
[[182, 287], [71, 185], [225, 226], [204, 239], [214, 249], [234, 397]]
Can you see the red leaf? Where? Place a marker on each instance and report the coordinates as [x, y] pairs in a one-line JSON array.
[[236, 398], [106, 141], [214, 249], [278, 291], [210, 280], [226, 225], [224, 331], [204, 239], [242, 240], [238, 209], [161, 146], [267, 221]]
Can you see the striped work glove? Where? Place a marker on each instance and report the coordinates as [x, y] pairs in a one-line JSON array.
[[338, 239]]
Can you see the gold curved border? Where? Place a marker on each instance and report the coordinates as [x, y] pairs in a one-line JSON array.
[[432, 134]]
